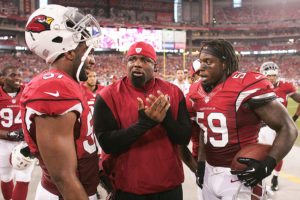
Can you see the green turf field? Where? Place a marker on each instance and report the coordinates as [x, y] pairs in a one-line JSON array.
[[292, 106]]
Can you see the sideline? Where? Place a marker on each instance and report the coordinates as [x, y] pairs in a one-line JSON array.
[[290, 177]]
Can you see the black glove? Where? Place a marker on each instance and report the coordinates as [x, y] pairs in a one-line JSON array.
[[256, 170], [200, 173], [295, 117], [15, 135], [105, 182]]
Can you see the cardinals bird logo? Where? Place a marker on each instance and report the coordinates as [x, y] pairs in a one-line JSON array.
[[39, 24]]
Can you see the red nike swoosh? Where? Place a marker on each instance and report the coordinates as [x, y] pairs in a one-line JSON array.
[[232, 181]]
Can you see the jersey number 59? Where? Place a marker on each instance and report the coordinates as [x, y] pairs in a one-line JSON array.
[[217, 128]]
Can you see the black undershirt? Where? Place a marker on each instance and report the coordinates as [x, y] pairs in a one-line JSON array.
[[114, 140]]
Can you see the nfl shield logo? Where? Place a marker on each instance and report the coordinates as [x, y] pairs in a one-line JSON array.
[[206, 99], [13, 101], [138, 50]]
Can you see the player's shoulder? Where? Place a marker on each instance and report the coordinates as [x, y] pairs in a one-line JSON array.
[[167, 87], [1, 92], [194, 86], [248, 78], [52, 84], [283, 83], [99, 87]]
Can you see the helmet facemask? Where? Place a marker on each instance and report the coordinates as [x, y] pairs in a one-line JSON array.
[[86, 29], [270, 69]]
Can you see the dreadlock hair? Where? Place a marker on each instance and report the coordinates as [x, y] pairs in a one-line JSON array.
[[224, 51]]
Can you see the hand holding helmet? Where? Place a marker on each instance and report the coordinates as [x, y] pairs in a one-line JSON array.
[[21, 158], [15, 135]]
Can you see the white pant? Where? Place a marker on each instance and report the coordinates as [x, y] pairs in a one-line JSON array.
[[266, 135], [219, 183], [43, 194], [199, 190], [7, 172]]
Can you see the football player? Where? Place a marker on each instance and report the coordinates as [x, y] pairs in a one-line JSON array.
[[57, 121], [188, 157], [91, 87], [283, 90], [11, 135], [229, 105]]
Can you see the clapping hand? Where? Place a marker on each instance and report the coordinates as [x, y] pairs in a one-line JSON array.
[[157, 106]]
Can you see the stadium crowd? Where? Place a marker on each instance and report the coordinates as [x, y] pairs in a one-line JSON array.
[[256, 12]]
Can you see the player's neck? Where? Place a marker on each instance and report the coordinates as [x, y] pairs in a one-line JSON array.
[[64, 65], [8, 89], [92, 88]]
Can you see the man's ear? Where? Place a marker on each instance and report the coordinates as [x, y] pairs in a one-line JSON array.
[[155, 68], [70, 55], [224, 66]]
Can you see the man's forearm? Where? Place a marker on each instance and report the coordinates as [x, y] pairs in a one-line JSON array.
[[70, 187]]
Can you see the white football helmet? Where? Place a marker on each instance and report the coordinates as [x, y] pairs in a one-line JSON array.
[[196, 65], [269, 68], [54, 29], [20, 161]]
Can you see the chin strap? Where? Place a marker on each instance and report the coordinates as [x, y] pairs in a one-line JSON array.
[[83, 58]]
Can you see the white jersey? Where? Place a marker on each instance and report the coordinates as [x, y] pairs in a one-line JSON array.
[[184, 87]]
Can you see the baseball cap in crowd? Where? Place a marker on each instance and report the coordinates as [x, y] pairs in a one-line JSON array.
[[142, 48]]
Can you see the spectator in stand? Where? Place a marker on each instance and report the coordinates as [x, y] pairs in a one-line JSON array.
[[113, 79], [186, 75], [181, 82], [141, 137], [283, 90]]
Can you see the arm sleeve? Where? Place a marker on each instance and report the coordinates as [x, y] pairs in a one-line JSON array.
[[180, 130], [111, 138]]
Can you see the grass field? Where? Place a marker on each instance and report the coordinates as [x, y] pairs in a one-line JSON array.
[[292, 106]]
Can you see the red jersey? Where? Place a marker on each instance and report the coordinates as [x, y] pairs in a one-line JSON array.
[[224, 116], [10, 115], [132, 171], [53, 93], [195, 128], [283, 90], [91, 95]]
